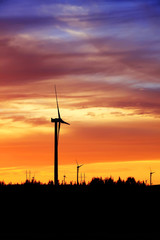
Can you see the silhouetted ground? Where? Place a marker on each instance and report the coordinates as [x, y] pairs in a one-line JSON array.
[[36, 211]]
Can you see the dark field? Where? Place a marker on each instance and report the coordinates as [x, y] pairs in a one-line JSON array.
[[79, 212]]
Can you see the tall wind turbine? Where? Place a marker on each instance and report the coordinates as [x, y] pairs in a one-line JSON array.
[[57, 122], [78, 167]]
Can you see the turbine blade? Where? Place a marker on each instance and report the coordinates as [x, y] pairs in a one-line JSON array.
[[57, 103], [81, 165], [64, 122]]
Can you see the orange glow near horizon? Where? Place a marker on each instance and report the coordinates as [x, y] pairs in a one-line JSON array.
[[138, 169]]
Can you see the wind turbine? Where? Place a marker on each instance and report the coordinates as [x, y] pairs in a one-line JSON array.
[[64, 177], [78, 167], [57, 122], [151, 173]]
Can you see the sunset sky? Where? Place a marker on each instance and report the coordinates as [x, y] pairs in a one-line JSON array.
[[104, 57]]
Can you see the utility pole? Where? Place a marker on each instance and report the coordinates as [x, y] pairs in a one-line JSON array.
[[26, 175], [29, 175]]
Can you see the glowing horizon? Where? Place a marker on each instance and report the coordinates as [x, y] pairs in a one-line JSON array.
[[140, 170]]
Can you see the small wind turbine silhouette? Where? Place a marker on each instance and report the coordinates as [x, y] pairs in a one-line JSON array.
[[78, 167], [151, 173], [64, 177], [57, 122]]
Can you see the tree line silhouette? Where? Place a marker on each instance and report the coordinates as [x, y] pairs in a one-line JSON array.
[[94, 181], [97, 183]]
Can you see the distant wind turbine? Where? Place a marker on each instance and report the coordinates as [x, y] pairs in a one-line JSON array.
[[151, 173], [64, 177], [78, 167], [57, 122]]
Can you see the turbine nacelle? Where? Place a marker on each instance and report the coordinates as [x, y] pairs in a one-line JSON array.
[[59, 120]]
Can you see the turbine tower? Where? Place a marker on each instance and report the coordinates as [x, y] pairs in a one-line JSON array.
[[78, 167], [57, 122]]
